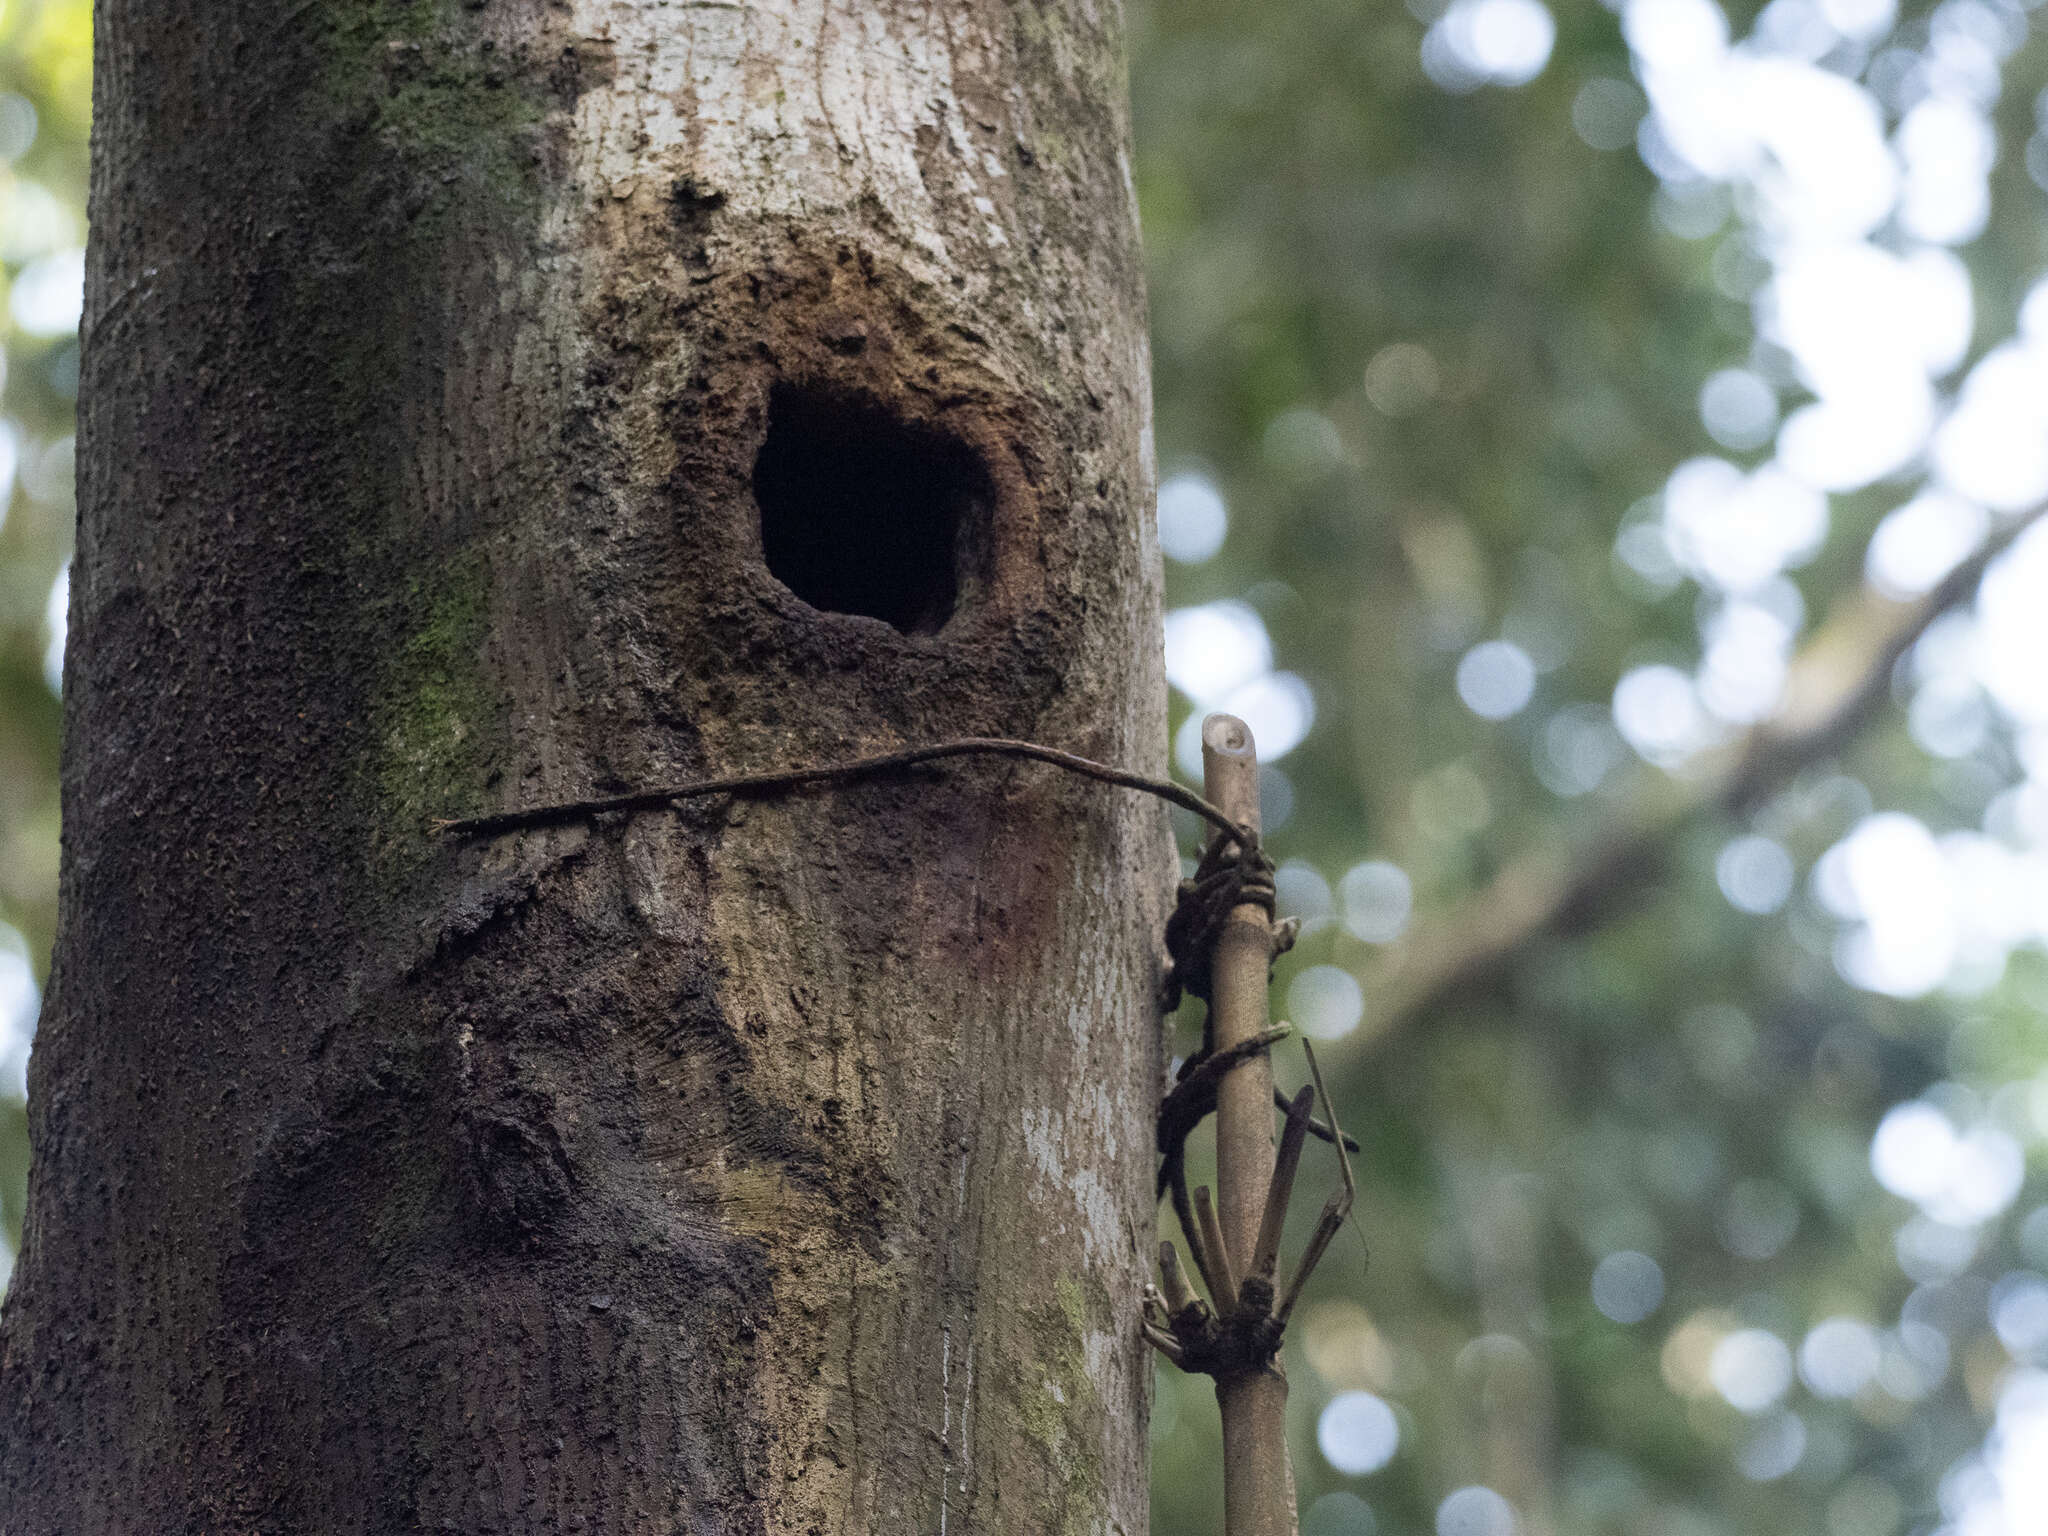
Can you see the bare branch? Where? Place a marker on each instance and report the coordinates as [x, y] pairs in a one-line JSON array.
[[1223, 1279], [1165, 1343], [1266, 1255], [1179, 1295]]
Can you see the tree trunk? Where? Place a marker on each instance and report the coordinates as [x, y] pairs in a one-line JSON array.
[[497, 402]]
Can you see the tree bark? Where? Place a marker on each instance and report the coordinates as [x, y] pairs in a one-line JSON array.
[[474, 393]]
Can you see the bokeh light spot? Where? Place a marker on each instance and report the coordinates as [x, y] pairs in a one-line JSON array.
[[1755, 874], [1476, 1511], [1301, 891], [1921, 542], [1606, 111], [1401, 379], [1839, 1357], [1357, 1433], [17, 125], [1325, 1002], [1751, 1368], [49, 294], [1775, 1450], [1628, 1286], [56, 618], [1377, 901], [1579, 747], [1192, 519], [1496, 679], [1958, 1178], [1658, 714], [1488, 42], [2019, 1315], [1338, 1514], [20, 1001], [1738, 409], [1215, 648]]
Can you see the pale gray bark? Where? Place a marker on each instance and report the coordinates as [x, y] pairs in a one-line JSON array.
[[781, 1167]]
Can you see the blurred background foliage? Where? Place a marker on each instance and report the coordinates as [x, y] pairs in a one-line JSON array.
[[1554, 402], [45, 99], [1560, 408]]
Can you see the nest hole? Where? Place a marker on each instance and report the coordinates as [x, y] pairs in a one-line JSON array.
[[864, 513]]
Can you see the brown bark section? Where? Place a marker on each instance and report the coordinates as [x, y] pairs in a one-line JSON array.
[[780, 1167]]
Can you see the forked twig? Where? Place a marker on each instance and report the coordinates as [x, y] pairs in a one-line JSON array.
[[1165, 1343], [1243, 1329], [1227, 953], [1223, 1278], [1179, 1294], [1266, 1257], [1337, 1137], [1191, 1230], [1335, 1209]]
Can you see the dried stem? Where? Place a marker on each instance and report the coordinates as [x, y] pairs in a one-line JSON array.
[[1223, 1274], [1266, 1257], [1191, 1229], [1179, 1295], [1335, 1209], [1337, 1137], [1165, 1343], [1258, 1483]]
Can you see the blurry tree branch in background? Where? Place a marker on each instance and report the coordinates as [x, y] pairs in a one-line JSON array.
[[1835, 686]]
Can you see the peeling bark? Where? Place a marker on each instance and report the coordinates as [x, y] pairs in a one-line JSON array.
[[471, 389]]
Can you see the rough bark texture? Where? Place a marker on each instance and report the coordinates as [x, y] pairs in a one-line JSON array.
[[780, 1167]]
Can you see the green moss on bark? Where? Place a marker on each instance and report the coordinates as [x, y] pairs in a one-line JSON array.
[[433, 141], [435, 711], [1060, 1393], [452, 110]]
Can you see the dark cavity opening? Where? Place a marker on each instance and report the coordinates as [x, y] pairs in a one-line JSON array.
[[863, 513]]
